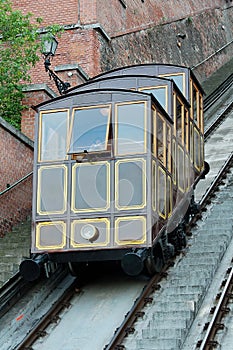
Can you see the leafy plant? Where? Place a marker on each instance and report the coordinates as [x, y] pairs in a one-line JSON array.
[[20, 46]]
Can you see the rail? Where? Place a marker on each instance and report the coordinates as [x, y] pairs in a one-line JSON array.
[[51, 316], [16, 183], [218, 92], [208, 342], [136, 311], [218, 121]]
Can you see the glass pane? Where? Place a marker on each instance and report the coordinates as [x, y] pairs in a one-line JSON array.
[[197, 149], [181, 169], [90, 129], [131, 128], [53, 135], [90, 187], [186, 126], [160, 93], [130, 184], [187, 171], [161, 139], [154, 185], [51, 194], [50, 235], [179, 117], [174, 168], [169, 196], [201, 123], [191, 141], [162, 192], [168, 148], [179, 80], [131, 230], [194, 103]]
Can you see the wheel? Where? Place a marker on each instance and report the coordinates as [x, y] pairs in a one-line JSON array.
[[155, 262]]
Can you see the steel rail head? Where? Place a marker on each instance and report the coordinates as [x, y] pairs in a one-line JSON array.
[[211, 330]]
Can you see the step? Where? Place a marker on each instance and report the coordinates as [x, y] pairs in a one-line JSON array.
[[183, 290], [166, 333], [176, 306], [159, 344]]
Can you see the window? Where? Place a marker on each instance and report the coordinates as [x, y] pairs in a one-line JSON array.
[[130, 230], [179, 114], [51, 235], [181, 169], [130, 184], [195, 104], [160, 93], [178, 78], [90, 129], [52, 190], [90, 187], [161, 141], [168, 148], [198, 153], [201, 122], [53, 135], [162, 193], [186, 128], [130, 128]]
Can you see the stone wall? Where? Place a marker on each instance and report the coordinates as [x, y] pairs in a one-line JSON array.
[[205, 33]]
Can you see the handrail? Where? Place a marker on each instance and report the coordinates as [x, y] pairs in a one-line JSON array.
[[16, 183]]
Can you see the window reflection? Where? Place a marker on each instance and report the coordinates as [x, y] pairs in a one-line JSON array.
[[53, 135], [90, 129], [130, 128]]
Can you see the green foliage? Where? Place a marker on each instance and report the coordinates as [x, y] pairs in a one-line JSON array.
[[20, 46]]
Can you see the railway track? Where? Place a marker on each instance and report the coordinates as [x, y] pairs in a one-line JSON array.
[[218, 312], [126, 335], [211, 99], [142, 301], [139, 308]]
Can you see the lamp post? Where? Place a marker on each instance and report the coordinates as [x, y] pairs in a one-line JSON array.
[[49, 49]]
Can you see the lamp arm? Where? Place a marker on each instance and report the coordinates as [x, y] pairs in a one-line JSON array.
[[61, 85]]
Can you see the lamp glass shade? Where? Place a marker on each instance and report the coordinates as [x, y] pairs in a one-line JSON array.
[[49, 46]]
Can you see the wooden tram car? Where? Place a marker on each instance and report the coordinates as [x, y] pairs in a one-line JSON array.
[[116, 163]]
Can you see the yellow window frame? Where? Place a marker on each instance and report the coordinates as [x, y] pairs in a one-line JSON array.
[[74, 186], [40, 134], [143, 89], [51, 247], [130, 242], [130, 160], [39, 171], [116, 126]]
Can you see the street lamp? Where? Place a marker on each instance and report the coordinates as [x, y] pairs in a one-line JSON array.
[[49, 47]]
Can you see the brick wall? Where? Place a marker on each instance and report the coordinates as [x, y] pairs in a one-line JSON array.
[[16, 154], [138, 32]]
